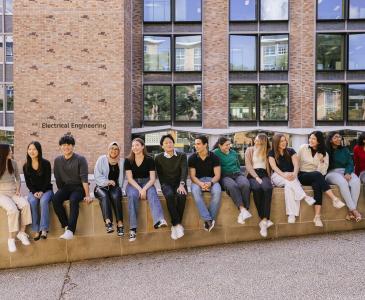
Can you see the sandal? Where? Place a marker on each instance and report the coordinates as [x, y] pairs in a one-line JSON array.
[[357, 215], [350, 217]]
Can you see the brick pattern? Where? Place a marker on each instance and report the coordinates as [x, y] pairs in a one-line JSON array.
[[215, 64], [70, 66], [301, 63]]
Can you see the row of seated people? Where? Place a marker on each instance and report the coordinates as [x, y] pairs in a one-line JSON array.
[[316, 164]]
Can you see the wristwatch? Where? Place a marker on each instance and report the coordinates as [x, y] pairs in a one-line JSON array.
[[182, 183]]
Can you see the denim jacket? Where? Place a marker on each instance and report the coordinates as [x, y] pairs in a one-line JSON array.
[[101, 171]]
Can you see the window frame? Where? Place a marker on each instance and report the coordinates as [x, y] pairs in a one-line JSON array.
[[157, 22], [347, 99], [257, 86], [172, 54], [259, 105], [345, 54], [345, 8], [259, 52], [257, 8], [273, 21], [256, 51], [173, 5], [348, 13]]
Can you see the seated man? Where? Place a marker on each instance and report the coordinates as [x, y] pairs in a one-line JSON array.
[[205, 172]]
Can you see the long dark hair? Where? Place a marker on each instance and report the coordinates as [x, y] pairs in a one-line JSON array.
[[4, 161], [220, 142], [28, 164], [131, 157], [360, 140], [275, 147], [330, 149], [321, 148]]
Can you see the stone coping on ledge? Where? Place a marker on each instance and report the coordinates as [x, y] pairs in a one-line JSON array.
[[92, 241]]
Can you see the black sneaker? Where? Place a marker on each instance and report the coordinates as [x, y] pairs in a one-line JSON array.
[[120, 230], [207, 225], [161, 223], [109, 227], [132, 235]]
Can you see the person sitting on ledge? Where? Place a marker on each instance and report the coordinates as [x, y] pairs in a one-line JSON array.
[[233, 181], [71, 174], [37, 174], [359, 157], [109, 177], [172, 169], [205, 173], [10, 199], [141, 176]]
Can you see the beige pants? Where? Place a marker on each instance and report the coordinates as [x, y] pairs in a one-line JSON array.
[[12, 205]]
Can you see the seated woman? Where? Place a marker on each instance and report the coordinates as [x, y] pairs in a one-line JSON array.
[[17, 208], [234, 182], [359, 157], [141, 175], [284, 162], [108, 172], [37, 174], [341, 167], [313, 165], [258, 169]]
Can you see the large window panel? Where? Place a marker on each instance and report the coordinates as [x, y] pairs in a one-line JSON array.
[[9, 49], [243, 10], [1, 50], [188, 102], [330, 9], [357, 9], [274, 52], [9, 98], [157, 103], [242, 53], [357, 51], [330, 52], [356, 102], [188, 10], [157, 11], [2, 98], [188, 53], [330, 102], [242, 102], [157, 53], [274, 10], [274, 102], [9, 7]]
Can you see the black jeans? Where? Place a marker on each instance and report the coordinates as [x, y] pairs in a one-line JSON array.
[[110, 197], [74, 193], [175, 202], [262, 193], [318, 183]]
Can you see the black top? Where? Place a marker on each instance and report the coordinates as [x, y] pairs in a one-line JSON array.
[[171, 170], [114, 173], [71, 171], [143, 171], [38, 182], [283, 164], [204, 168]]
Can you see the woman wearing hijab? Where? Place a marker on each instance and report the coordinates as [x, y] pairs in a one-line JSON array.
[[109, 177]]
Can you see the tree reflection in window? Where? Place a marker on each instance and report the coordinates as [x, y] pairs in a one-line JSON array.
[[188, 102], [274, 102], [157, 103]]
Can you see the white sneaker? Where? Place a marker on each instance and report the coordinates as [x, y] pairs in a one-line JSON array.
[[68, 235], [11, 245], [263, 228], [243, 216], [338, 203], [179, 231], [310, 200], [291, 219], [23, 237], [161, 223], [173, 232], [269, 223], [317, 221]]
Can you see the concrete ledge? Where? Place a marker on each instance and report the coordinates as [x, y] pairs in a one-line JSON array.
[[91, 240]]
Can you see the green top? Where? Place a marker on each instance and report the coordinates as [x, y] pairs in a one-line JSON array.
[[229, 162], [341, 158]]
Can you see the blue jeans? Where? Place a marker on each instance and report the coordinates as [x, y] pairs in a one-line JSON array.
[[133, 202], [42, 222], [207, 214]]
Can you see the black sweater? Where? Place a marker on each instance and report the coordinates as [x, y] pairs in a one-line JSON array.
[[38, 182], [171, 170]]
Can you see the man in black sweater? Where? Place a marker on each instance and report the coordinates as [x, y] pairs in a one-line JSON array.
[[71, 173], [171, 167]]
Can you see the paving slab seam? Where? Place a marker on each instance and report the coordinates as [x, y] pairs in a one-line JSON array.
[[66, 281]]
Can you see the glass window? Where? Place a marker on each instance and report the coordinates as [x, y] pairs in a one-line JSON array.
[[157, 53], [242, 102], [356, 102], [1, 7], [1, 98], [274, 102], [242, 10], [330, 52], [242, 53], [274, 10], [330, 9], [188, 53], [157, 103], [188, 102], [274, 53], [329, 102], [9, 49], [188, 10], [9, 7], [357, 51], [9, 98], [157, 11], [1, 50], [357, 9]]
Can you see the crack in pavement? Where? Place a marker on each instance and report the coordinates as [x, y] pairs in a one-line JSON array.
[[67, 285]]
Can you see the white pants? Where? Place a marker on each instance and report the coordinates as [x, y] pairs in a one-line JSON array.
[[293, 192]]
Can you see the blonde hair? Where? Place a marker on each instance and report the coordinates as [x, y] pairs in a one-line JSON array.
[[264, 149]]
